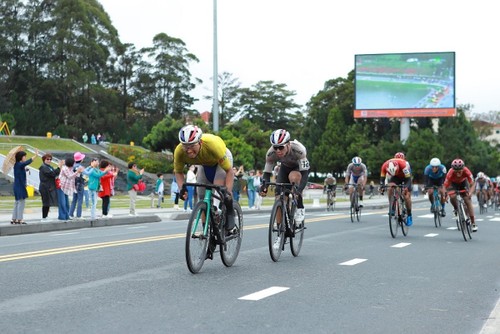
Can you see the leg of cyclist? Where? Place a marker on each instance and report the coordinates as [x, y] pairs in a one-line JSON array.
[[407, 195], [361, 189], [470, 209], [443, 200], [430, 194], [300, 179]]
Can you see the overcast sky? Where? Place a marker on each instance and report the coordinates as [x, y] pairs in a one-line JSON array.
[[305, 43]]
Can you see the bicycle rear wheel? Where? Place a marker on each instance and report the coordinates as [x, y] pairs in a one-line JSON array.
[[230, 248], [358, 208], [393, 217], [276, 236], [196, 241], [298, 235]]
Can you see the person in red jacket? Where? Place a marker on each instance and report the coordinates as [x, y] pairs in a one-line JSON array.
[[397, 171], [106, 189], [460, 178]]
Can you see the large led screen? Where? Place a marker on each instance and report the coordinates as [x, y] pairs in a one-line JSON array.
[[405, 85]]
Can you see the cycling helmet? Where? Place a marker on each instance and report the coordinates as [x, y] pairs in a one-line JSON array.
[[329, 175], [498, 179], [190, 134], [399, 155], [280, 137], [435, 162], [356, 161], [392, 168], [457, 164], [480, 175]]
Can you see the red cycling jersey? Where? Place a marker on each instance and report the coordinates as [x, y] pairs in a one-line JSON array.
[[452, 177], [404, 169]]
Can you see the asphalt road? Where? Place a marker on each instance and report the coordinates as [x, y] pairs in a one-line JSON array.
[[348, 278]]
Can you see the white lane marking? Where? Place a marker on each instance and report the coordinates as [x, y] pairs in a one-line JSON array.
[[495, 220], [68, 233], [401, 245], [352, 262], [136, 227], [429, 215], [431, 235], [452, 228], [264, 293], [479, 219]]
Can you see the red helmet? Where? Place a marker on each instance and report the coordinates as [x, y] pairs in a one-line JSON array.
[[458, 164], [399, 155]]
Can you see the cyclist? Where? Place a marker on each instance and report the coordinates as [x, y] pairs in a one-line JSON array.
[[294, 166], [356, 174], [330, 184], [482, 183], [434, 175], [215, 165], [397, 171], [460, 177]]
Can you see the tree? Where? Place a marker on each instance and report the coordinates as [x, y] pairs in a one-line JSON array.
[[229, 93]]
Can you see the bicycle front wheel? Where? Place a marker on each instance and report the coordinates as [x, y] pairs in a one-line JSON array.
[[358, 208], [276, 236], [230, 248], [353, 208], [462, 219], [196, 240], [298, 236], [393, 217]]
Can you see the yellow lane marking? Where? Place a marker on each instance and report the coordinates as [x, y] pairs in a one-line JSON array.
[[79, 248]]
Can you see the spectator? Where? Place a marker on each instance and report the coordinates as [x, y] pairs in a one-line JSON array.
[[67, 177], [99, 138], [86, 191], [93, 141], [159, 188], [174, 193], [133, 177], [47, 188], [85, 138], [251, 189], [257, 180], [94, 183], [20, 193], [190, 178], [80, 183], [415, 189], [106, 190], [238, 174]]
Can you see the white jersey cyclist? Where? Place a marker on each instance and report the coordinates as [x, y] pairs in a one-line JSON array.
[[294, 165]]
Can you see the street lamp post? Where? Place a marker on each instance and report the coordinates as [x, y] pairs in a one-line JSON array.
[[215, 104]]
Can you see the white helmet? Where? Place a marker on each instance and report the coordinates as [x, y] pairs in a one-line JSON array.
[[480, 175], [356, 161], [329, 175], [392, 168], [190, 134], [435, 162], [498, 179], [279, 137]]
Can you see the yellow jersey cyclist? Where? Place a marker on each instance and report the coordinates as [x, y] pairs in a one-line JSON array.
[[215, 163], [294, 167], [356, 174]]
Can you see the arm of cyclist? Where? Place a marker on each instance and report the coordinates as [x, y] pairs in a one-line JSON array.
[[266, 178]]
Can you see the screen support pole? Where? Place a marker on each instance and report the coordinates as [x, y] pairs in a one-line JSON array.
[[404, 129]]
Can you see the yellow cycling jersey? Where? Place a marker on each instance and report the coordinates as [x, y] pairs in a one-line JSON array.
[[212, 153]]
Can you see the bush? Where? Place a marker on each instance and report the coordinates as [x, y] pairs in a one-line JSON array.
[[152, 162]]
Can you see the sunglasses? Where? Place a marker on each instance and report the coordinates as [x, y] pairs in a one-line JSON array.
[[279, 148], [188, 147], [50, 159]]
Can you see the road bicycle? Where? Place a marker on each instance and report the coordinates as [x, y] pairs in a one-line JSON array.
[[282, 225], [462, 218], [481, 200], [330, 200], [355, 209], [436, 206], [397, 210], [496, 200], [202, 239]]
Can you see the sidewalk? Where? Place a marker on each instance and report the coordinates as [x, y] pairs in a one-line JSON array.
[[149, 215]]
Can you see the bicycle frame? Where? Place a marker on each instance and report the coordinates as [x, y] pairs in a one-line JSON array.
[[397, 203]]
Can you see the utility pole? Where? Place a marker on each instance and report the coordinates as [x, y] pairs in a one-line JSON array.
[[215, 104]]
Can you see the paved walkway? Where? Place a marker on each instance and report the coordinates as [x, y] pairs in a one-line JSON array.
[[149, 215]]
